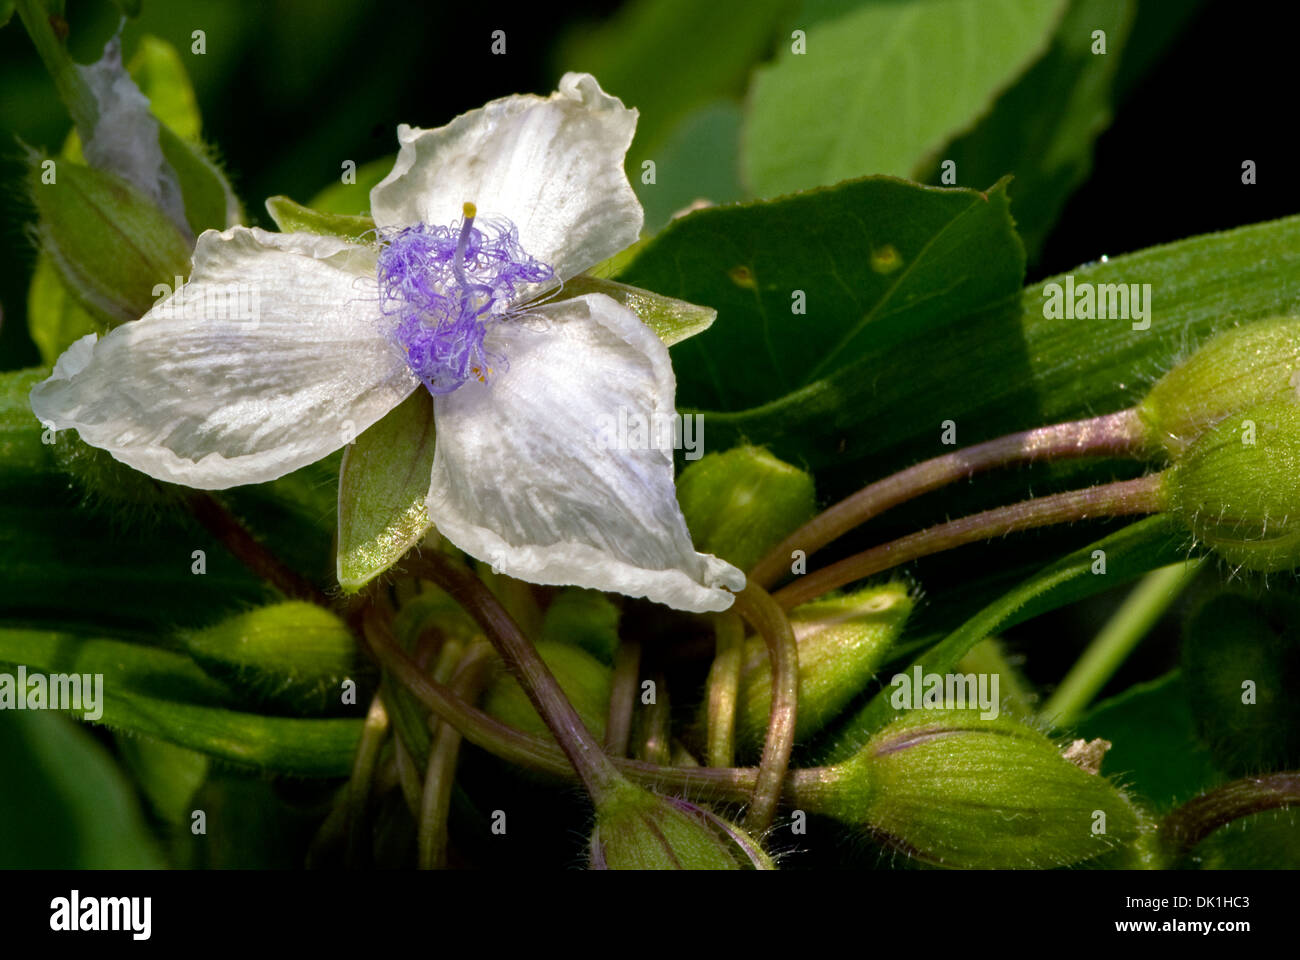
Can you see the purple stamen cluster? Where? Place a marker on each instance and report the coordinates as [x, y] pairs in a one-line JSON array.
[[442, 285]]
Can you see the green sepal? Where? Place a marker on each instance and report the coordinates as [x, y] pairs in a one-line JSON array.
[[293, 217], [671, 319]]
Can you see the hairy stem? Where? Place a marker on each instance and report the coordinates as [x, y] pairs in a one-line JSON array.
[[724, 689], [1122, 498], [521, 658], [217, 519], [1191, 823], [757, 606], [1114, 435]]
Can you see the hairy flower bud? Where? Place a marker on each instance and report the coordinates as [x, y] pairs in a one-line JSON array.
[[112, 245], [1238, 368], [842, 643], [1241, 660], [951, 789], [291, 655], [1237, 487], [741, 503], [584, 679], [639, 830]]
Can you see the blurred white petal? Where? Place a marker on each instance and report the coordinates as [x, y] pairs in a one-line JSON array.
[[524, 478], [553, 167], [271, 357]]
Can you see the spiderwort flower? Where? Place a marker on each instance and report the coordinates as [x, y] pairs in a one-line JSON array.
[[282, 347]]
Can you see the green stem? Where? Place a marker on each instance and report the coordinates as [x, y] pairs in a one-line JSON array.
[[73, 90], [373, 733], [1144, 605], [1120, 434], [622, 697], [1126, 497]]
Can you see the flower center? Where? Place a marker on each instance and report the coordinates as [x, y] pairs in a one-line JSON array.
[[443, 285]]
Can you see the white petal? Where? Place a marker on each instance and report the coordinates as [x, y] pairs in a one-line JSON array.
[[524, 476], [553, 167], [268, 359]]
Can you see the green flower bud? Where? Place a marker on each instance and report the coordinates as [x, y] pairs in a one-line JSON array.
[[950, 789], [1238, 368], [1241, 660], [294, 656], [1262, 841], [583, 618], [740, 504], [584, 679], [638, 830], [1237, 487], [111, 244], [842, 643]]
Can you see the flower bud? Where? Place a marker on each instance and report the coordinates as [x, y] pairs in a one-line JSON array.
[[1241, 661], [842, 643], [111, 244], [1262, 841], [639, 830], [584, 679], [1238, 368], [951, 789], [741, 503], [1237, 487], [293, 655], [583, 618]]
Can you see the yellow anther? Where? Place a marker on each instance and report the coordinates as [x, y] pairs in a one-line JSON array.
[[470, 210]]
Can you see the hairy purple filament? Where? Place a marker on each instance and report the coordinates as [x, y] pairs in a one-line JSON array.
[[444, 285]]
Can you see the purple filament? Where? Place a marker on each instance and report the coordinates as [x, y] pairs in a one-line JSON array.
[[442, 285]]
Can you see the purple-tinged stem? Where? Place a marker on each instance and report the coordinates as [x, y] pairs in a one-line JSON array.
[[1123, 498], [1119, 434], [1195, 820]]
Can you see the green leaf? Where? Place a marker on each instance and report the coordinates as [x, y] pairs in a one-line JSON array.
[[164, 695], [721, 41], [65, 805], [353, 199], [168, 775], [1001, 369], [1042, 129], [6, 11], [1154, 749], [1136, 549], [291, 217], [671, 319], [382, 488], [877, 261], [699, 161], [54, 319], [882, 86]]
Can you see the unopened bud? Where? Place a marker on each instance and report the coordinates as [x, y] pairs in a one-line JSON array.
[[584, 679], [741, 503], [1238, 368], [639, 830], [952, 789]]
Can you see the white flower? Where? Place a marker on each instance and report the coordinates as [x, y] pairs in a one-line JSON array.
[[281, 348]]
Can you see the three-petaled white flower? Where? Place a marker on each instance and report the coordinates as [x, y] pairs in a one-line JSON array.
[[209, 396]]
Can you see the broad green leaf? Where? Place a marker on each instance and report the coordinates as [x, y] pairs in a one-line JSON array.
[[672, 320], [1001, 369], [699, 161], [713, 47], [1154, 749], [165, 695], [881, 86], [806, 284], [65, 804], [1136, 549], [1042, 129], [382, 488], [291, 217], [6, 11], [353, 199]]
